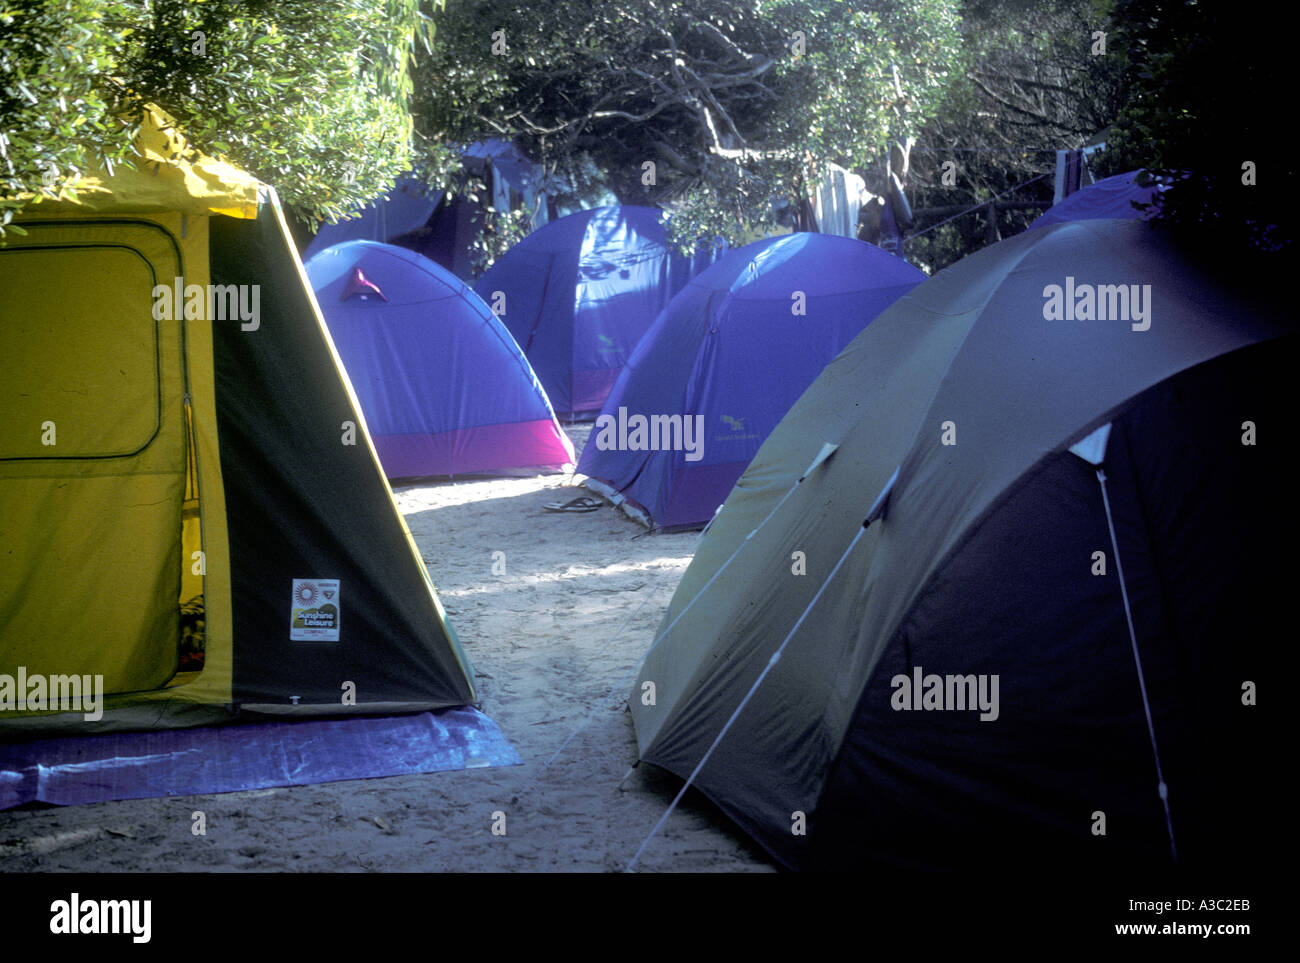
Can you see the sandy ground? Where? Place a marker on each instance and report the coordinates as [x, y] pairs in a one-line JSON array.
[[551, 640]]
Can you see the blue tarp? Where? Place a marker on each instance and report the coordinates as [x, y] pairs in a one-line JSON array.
[[736, 348], [580, 292], [409, 205], [514, 172], [213, 759]]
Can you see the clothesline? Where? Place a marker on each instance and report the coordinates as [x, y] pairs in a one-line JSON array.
[[981, 204]]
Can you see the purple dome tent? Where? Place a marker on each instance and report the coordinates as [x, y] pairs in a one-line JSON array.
[[443, 387]]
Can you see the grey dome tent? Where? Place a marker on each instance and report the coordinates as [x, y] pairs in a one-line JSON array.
[[995, 492]]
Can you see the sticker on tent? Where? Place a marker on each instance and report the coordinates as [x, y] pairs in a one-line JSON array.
[[314, 610]]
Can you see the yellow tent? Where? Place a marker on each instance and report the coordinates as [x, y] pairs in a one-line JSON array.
[[179, 435]]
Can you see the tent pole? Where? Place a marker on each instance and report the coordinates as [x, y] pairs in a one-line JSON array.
[[1161, 787]]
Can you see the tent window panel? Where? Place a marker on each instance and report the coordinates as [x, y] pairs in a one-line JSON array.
[[81, 354], [92, 522]]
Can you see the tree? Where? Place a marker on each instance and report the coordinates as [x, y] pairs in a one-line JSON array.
[[1034, 78], [310, 97], [1204, 83], [714, 108]]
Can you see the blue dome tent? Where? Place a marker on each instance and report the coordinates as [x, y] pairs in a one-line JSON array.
[[727, 358], [407, 207], [1109, 198], [443, 387], [579, 293]]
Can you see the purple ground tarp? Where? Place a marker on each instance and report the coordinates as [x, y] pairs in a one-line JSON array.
[[182, 762]]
